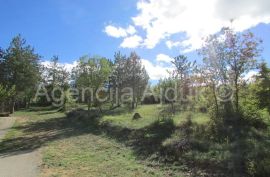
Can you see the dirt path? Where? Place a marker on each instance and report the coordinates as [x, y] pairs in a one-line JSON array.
[[20, 164]]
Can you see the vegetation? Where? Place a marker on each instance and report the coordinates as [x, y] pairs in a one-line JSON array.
[[203, 120]]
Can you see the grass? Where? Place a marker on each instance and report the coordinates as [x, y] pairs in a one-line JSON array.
[[150, 114], [82, 144], [72, 147], [199, 118], [92, 155]]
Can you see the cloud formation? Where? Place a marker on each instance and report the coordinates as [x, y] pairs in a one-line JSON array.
[[131, 42], [156, 69], [164, 58], [118, 32], [194, 19]]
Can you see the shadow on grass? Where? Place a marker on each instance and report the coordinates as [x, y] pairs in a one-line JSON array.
[[193, 150], [35, 109], [144, 142]]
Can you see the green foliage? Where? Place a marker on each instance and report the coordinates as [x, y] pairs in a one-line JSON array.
[[54, 76], [21, 65], [263, 87], [162, 90], [128, 72], [183, 67], [20, 68], [6, 93], [92, 73]]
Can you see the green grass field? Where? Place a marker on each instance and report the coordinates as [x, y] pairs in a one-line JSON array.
[[150, 113], [112, 145]]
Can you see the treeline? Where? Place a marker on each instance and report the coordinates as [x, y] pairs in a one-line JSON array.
[[22, 76], [227, 58], [220, 79]]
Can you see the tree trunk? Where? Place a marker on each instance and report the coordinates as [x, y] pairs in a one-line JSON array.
[[173, 110], [88, 104], [133, 100], [133, 105], [216, 100], [236, 95], [12, 106], [2, 107], [100, 109], [27, 103]]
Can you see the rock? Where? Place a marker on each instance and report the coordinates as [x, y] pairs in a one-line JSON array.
[[136, 116]]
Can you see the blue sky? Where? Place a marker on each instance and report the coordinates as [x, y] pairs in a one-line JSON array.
[[154, 29]]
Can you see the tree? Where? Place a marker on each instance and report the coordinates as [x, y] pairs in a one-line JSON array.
[[128, 72], [117, 82], [181, 73], [20, 68], [92, 73], [228, 56], [55, 76], [214, 69], [241, 52], [263, 92], [136, 77], [2, 67]]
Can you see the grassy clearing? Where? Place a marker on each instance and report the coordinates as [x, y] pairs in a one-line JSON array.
[[150, 114], [74, 147]]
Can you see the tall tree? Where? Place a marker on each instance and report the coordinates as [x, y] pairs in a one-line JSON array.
[[181, 73], [228, 56], [21, 69], [128, 72], [241, 53], [117, 77], [136, 77], [55, 76], [92, 73], [214, 69]]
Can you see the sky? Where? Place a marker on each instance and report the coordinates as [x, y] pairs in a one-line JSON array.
[[156, 29]]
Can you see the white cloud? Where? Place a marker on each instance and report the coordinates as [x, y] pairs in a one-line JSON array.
[[164, 58], [118, 32], [195, 19], [131, 42], [131, 30], [155, 72]]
